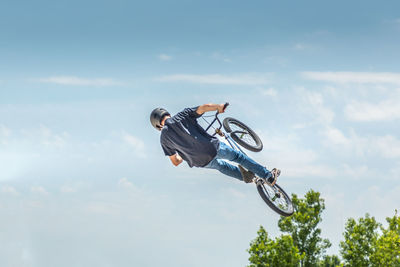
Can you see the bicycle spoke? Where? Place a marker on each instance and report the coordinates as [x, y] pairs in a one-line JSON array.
[[242, 134], [279, 201]]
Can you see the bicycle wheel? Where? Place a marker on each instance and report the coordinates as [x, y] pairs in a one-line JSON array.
[[242, 134], [276, 198]]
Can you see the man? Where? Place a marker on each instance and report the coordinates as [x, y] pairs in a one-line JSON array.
[[183, 139]]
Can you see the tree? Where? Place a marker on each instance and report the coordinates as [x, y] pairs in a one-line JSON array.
[[360, 241], [387, 249], [330, 261], [265, 252], [303, 227]]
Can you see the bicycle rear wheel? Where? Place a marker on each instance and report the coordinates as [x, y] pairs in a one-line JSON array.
[[242, 134], [276, 198]]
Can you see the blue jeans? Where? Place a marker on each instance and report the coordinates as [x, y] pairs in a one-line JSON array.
[[226, 152]]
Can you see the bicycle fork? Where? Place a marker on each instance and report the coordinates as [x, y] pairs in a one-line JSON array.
[[261, 181]]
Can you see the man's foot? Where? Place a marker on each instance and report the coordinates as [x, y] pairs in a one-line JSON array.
[[247, 175], [275, 173]]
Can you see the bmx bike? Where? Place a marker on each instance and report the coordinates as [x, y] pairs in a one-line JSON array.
[[238, 133]]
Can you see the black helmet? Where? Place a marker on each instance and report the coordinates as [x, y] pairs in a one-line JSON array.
[[156, 116]]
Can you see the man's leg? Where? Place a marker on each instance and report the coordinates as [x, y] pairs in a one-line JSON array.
[[225, 168], [226, 152]]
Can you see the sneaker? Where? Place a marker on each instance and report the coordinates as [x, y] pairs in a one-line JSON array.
[[247, 175], [275, 174]]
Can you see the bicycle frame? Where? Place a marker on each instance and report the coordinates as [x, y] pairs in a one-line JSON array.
[[221, 133]]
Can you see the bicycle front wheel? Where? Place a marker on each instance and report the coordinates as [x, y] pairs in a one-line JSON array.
[[242, 134], [276, 198]]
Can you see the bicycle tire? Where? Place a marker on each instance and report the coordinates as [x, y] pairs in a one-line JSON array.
[[272, 204], [247, 138]]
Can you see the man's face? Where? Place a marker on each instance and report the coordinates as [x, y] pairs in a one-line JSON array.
[[163, 120]]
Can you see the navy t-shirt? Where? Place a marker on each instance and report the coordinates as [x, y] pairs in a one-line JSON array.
[[182, 134]]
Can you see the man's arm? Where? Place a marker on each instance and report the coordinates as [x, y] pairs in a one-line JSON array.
[[176, 159], [210, 107]]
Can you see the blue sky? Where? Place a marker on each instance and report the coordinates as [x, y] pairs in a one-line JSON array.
[[83, 180]]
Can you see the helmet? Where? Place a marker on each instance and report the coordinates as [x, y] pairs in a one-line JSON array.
[[156, 116]]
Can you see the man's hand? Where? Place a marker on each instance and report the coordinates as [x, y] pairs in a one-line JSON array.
[[176, 159], [210, 107], [221, 108]]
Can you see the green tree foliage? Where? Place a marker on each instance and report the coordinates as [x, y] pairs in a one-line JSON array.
[[363, 246], [360, 241], [330, 261], [387, 249], [265, 252], [366, 242], [303, 227]]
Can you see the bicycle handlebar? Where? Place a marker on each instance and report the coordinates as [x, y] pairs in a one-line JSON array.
[[217, 119], [226, 105]]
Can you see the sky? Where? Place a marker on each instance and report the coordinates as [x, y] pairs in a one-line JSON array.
[[83, 179]]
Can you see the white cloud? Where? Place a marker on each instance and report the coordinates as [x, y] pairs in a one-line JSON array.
[[123, 182], [300, 125], [387, 146], [219, 56], [7, 189], [239, 79], [316, 170], [303, 46], [299, 46], [379, 202], [68, 189], [365, 111], [269, 92], [235, 193], [395, 21], [353, 77], [39, 190], [355, 171], [137, 144], [164, 57], [335, 136], [102, 208], [72, 80], [313, 103], [5, 133], [128, 186], [293, 159], [395, 171], [277, 60], [50, 139], [45, 136]]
